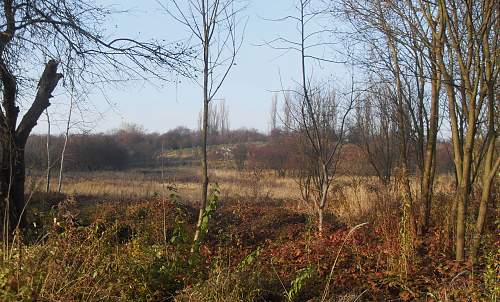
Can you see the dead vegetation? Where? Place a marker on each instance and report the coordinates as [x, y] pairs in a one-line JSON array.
[[133, 245]]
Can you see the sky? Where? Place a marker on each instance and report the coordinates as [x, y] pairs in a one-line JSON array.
[[260, 71]]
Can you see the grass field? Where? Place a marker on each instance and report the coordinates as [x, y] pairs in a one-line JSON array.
[[126, 236]]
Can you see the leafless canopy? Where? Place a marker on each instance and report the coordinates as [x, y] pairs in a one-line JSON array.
[[72, 32], [217, 29]]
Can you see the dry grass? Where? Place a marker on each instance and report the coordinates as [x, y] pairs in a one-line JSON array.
[[351, 197], [144, 184], [118, 250]]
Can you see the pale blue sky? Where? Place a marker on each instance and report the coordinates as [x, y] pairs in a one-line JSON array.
[[248, 90]]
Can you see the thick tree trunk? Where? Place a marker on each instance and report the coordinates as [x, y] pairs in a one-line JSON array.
[[12, 186], [14, 140]]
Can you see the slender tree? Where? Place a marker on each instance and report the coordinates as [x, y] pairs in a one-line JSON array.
[[215, 26], [66, 139], [49, 161], [273, 114], [314, 114]]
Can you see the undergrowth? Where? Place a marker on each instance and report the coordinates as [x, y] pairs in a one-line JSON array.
[[258, 251]]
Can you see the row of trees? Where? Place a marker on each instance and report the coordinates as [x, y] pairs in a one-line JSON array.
[[428, 67], [279, 151], [437, 63], [124, 148]]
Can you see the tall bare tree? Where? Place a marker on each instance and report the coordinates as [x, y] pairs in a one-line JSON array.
[[49, 161], [320, 122], [66, 139], [214, 25], [315, 114]]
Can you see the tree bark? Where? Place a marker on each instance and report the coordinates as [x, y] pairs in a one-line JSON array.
[[481, 216], [12, 185], [320, 221]]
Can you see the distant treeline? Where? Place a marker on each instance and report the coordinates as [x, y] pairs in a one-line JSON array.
[[124, 148], [284, 155], [279, 151]]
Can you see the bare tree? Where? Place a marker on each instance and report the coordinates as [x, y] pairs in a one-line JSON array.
[[378, 131], [320, 121], [66, 139], [214, 25], [49, 162], [65, 35], [273, 114], [314, 114]]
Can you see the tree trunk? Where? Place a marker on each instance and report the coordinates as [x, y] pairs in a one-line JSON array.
[[489, 171], [66, 138], [61, 167], [204, 185], [49, 164], [464, 187], [12, 186], [429, 157], [14, 140], [320, 221], [402, 123], [460, 240], [481, 218], [206, 103]]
